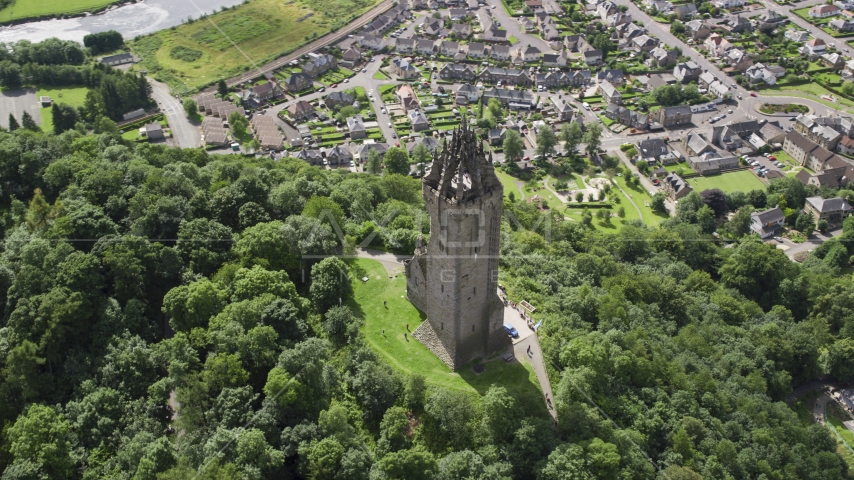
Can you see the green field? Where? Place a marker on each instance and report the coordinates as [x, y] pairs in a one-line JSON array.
[[263, 30], [509, 186], [72, 96], [641, 198], [409, 356], [741, 181], [24, 9]]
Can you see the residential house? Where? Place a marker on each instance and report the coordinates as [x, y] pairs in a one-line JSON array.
[[433, 28], [527, 24], [676, 116], [300, 111], [717, 45], [356, 127], [431, 143], [706, 79], [425, 47], [351, 57], [338, 99], [555, 59], [615, 77], [528, 53], [297, 82], [767, 222], [720, 90], [371, 42], [418, 120], [154, 131], [644, 43], [798, 147], [841, 26], [113, 60], [457, 14], [493, 34], [267, 91], [404, 45], [312, 157], [505, 76], [469, 93], [652, 149], [738, 59], [339, 155], [592, 56], [846, 145], [549, 32], [733, 135], [618, 18], [814, 48], [500, 53], [534, 4], [831, 210], [605, 9], [711, 163], [661, 58], [676, 187], [797, 35], [579, 78], [760, 73], [833, 60], [476, 50], [696, 144], [458, 71], [514, 99], [738, 24], [697, 30], [610, 93], [563, 110], [407, 97], [624, 116], [686, 72], [461, 30], [449, 49], [728, 4], [320, 65], [823, 11], [687, 10], [363, 150], [661, 6], [404, 68]]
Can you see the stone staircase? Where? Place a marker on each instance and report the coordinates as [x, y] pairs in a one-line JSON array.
[[425, 334]]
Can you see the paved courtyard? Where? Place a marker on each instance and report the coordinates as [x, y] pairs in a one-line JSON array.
[[17, 102]]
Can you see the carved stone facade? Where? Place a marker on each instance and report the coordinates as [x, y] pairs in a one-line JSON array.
[[453, 279]]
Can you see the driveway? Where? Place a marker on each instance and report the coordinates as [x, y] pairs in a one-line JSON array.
[[817, 239], [184, 133]]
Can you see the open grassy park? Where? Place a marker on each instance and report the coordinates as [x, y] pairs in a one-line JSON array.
[[408, 355], [27, 9], [194, 55], [72, 96], [740, 181]]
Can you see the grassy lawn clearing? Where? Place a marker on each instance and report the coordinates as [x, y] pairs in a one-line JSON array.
[[680, 168], [22, 9], [409, 355], [812, 91], [72, 96], [741, 181], [262, 29], [380, 75], [641, 198], [509, 184], [785, 158]]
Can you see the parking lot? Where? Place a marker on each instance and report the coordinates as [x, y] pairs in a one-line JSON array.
[[17, 102], [767, 164]]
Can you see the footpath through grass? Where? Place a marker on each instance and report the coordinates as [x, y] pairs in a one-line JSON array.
[[26, 9], [197, 54], [409, 356]]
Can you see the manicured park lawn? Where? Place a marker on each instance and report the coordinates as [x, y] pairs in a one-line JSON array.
[[741, 181], [641, 198], [509, 186], [72, 96], [409, 356], [22, 9], [677, 167]]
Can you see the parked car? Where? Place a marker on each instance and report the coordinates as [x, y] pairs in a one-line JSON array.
[[779, 239], [511, 330], [772, 158], [752, 94]]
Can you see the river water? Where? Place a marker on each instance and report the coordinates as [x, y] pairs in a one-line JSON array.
[[130, 20]]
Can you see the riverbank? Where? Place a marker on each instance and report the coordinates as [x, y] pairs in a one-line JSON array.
[[23, 11]]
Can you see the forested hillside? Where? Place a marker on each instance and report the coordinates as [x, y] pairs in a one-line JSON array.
[[138, 280]]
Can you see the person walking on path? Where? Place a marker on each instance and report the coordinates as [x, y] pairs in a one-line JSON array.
[[407, 327], [383, 332], [384, 305]]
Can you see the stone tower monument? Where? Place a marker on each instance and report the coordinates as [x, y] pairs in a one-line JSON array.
[[454, 278]]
